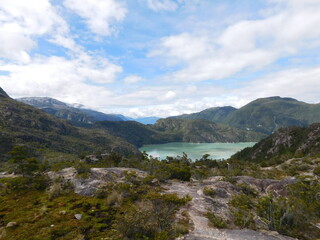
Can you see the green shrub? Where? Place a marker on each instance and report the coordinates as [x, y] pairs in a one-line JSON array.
[[209, 192], [180, 172], [216, 221], [316, 171], [242, 206], [17, 184], [246, 189], [40, 182]]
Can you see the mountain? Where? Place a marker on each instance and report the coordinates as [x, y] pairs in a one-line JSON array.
[[137, 133], [267, 115], [264, 115], [177, 130], [215, 114], [200, 131], [3, 94], [24, 124], [284, 144], [77, 116]]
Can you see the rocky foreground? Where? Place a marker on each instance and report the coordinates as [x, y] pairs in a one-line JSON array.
[[201, 204], [201, 229]]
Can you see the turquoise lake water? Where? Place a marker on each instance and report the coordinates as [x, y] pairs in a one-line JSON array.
[[195, 150]]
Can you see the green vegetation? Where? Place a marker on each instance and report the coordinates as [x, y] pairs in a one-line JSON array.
[[264, 115], [34, 129], [294, 215], [176, 130], [132, 209], [209, 192], [198, 130], [284, 144], [216, 221], [242, 210], [215, 114], [137, 133]]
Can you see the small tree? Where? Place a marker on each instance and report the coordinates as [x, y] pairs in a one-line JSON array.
[[24, 164]]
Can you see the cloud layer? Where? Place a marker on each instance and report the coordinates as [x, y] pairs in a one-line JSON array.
[[99, 15]]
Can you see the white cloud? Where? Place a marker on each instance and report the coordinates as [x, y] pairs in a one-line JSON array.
[[162, 5], [300, 83], [246, 45], [23, 21], [183, 47], [99, 15], [168, 96], [133, 79], [61, 78]]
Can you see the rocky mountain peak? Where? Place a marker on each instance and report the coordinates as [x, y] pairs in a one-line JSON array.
[[3, 93], [43, 102]]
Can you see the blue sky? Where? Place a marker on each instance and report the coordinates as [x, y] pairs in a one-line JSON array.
[[160, 57]]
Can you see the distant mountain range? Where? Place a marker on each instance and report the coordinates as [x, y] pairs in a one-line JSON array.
[[77, 115], [264, 115], [21, 124]]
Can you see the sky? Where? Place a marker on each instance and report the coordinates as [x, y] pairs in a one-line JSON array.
[[160, 57]]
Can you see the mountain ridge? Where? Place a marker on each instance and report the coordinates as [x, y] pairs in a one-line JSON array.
[[77, 116], [23, 124], [264, 115]]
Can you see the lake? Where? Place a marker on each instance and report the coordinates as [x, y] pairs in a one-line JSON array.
[[195, 150]]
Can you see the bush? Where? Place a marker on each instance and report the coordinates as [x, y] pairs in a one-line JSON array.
[[216, 221], [242, 206], [246, 189], [316, 171], [17, 184], [180, 172], [209, 192], [40, 182]]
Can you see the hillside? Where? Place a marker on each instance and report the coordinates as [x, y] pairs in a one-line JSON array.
[[176, 130], [205, 131], [215, 114], [136, 133], [23, 124], [284, 144], [267, 115], [77, 116], [264, 115]]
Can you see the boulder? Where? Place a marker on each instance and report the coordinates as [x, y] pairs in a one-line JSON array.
[[78, 216], [12, 224]]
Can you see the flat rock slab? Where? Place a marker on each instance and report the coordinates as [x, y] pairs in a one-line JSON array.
[[97, 178], [201, 203], [243, 234]]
